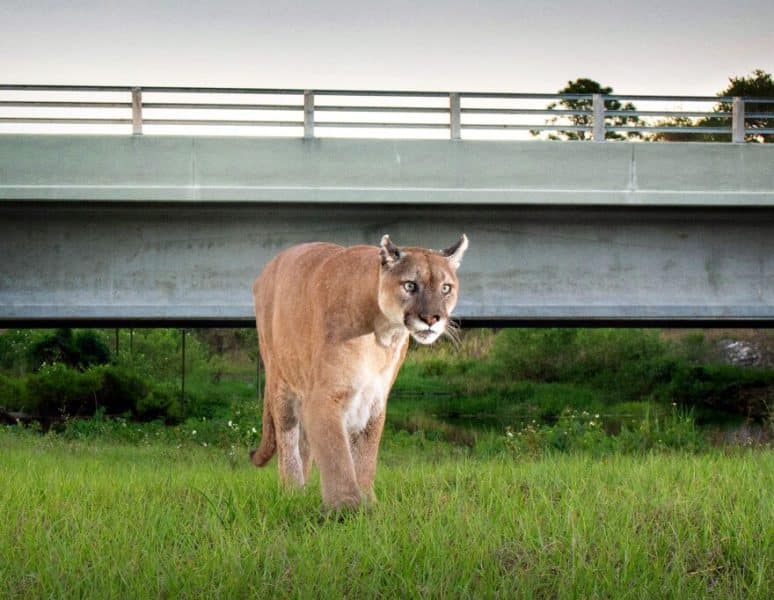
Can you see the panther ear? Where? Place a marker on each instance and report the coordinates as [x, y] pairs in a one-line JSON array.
[[389, 252], [454, 253]]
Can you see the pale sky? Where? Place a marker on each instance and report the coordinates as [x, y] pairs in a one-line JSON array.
[[653, 47]]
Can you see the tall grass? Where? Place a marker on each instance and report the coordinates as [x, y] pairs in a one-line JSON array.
[[104, 520]]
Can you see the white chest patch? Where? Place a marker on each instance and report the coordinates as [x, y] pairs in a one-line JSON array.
[[369, 398], [367, 402]]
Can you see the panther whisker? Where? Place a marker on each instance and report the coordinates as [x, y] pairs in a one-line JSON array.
[[452, 331]]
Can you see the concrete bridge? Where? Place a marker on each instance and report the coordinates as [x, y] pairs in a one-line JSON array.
[[166, 230]]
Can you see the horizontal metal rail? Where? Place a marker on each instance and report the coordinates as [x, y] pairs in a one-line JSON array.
[[380, 109], [667, 113], [61, 104], [575, 116], [704, 130], [527, 127], [225, 122], [368, 124], [65, 121], [220, 106]]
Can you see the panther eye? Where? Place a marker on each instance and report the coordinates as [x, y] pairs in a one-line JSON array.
[[446, 288], [410, 286]]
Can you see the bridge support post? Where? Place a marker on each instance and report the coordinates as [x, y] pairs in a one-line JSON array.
[[308, 115], [137, 111], [182, 368], [737, 121], [598, 122], [455, 121]]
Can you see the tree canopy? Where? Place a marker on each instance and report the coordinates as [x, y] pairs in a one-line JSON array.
[[758, 84], [587, 87]]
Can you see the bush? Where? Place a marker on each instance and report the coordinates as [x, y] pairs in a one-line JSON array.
[[12, 393], [723, 387], [577, 431], [627, 364], [90, 349], [675, 431], [15, 348], [80, 350], [573, 431], [162, 403], [536, 354], [59, 390], [57, 347], [122, 387]]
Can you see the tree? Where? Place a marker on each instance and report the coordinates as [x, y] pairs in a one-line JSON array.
[[80, 350], [758, 84], [588, 87]]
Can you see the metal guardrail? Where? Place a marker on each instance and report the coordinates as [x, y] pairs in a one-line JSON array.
[[596, 115]]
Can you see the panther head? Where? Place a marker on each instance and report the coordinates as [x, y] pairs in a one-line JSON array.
[[418, 287]]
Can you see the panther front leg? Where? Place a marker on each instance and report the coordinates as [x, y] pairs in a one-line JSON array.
[[330, 448], [365, 448]]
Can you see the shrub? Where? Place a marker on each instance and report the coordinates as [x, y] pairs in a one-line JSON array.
[[90, 349], [551, 400], [723, 387], [80, 350], [162, 403], [573, 431], [122, 387], [577, 431], [675, 431], [12, 393], [536, 354], [59, 390], [57, 347], [627, 364], [15, 348]]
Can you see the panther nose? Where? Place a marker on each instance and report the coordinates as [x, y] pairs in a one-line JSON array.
[[430, 319]]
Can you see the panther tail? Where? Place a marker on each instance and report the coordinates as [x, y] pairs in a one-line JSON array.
[[268, 445]]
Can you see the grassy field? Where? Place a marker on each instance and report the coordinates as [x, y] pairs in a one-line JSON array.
[[99, 519]]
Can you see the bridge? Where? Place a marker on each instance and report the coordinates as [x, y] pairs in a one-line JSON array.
[[148, 229]]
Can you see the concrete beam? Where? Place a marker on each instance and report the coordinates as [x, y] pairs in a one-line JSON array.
[[196, 263], [213, 169], [158, 230]]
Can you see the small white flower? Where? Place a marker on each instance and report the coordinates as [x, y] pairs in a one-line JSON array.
[[508, 433], [193, 432], [230, 424], [204, 444], [255, 430]]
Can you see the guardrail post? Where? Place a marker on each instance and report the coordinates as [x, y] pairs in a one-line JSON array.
[[455, 121], [598, 119], [737, 121], [136, 111], [308, 115]]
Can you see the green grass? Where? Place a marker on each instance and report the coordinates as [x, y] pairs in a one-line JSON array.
[[99, 519]]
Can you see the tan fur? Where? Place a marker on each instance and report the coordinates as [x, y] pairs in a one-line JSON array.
[[334, 325]]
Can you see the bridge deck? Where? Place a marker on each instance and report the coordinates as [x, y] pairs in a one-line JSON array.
[[154, 229]]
